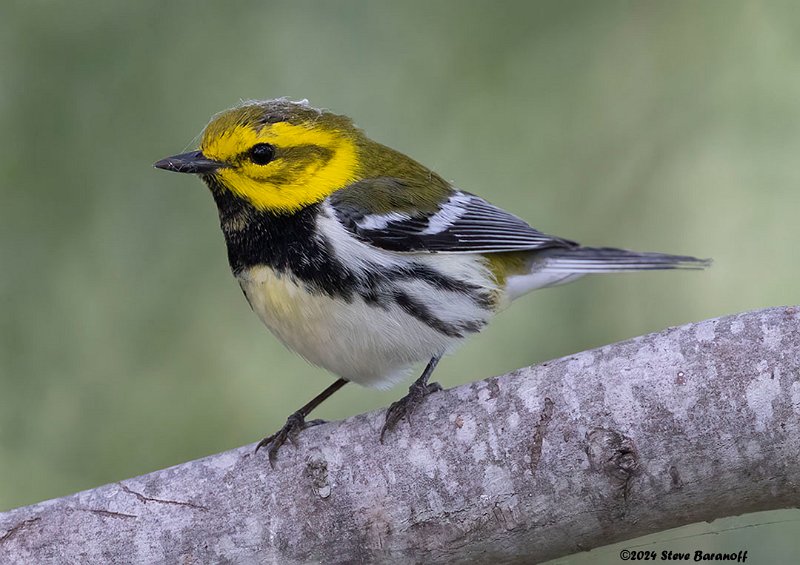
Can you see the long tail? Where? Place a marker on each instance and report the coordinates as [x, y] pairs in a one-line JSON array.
[[553, 267], [588, 260]]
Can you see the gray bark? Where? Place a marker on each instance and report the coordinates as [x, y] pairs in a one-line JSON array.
[[689, 424]]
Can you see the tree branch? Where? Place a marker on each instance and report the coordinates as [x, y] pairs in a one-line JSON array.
[[689, 424]]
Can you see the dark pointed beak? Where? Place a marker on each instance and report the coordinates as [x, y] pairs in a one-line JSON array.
[[193, 162]]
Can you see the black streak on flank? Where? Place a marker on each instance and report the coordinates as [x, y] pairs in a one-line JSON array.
[[423, 314], [442, 282]]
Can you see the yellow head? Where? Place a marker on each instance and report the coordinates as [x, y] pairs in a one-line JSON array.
[[278, 155]]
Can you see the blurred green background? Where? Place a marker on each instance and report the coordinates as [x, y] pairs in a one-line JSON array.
[[126, 346]]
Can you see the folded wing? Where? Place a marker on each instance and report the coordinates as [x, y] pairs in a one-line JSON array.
[[459, 223]]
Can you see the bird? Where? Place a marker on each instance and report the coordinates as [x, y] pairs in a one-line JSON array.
[[361, 259]]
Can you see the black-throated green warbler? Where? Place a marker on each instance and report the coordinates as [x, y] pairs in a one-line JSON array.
[[362, 260]]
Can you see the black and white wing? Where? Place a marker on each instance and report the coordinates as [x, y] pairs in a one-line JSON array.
[[460, 223]]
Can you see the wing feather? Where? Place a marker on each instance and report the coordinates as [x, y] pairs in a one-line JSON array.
[[462, 223]]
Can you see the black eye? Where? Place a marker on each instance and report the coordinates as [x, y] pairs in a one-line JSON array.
[[262, 153]]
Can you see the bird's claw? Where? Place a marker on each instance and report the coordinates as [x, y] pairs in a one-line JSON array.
[[402, 408], [294, 424]]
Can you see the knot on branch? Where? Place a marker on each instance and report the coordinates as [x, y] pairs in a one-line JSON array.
[[613, 454], [317, 472]]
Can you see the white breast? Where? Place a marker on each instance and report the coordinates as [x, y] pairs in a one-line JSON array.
[[370, 345]]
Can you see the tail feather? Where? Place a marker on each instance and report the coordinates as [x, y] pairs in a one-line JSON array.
[[588, 260], [560, 266]]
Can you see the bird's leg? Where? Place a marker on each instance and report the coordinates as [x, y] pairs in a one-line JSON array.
[[416, 392], [297, 422]]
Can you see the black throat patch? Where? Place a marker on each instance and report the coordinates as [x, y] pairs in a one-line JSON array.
[[287, 243]]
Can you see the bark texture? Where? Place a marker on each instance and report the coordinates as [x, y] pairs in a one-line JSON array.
[[689, 424]]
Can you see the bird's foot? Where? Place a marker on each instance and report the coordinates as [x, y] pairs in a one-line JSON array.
[[402, 408], [294, 424]]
